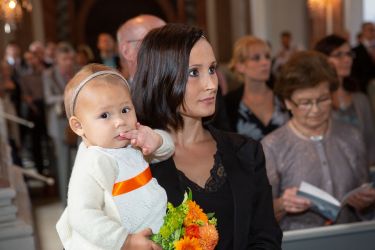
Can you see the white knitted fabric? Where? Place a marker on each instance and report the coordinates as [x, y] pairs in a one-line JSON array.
[[143, 207]]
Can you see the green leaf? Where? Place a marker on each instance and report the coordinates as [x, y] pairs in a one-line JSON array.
[[210, 215], [190, 195]]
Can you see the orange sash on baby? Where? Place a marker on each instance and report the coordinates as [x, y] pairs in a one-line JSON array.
[[132, 183]]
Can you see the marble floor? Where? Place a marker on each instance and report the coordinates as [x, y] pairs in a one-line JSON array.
[[46, 207]]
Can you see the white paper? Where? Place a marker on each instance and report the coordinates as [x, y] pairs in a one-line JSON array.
[[313, 190]]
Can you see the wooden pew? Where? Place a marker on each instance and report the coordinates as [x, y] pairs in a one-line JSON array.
[[359, 235]]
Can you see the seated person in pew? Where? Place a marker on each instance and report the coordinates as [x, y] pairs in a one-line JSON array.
[[314, 148]]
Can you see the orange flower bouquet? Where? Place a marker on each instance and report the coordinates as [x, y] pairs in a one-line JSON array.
[[187, 227]]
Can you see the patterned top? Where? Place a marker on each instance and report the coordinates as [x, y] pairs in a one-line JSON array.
[[347, 115], [336, 164], [248, 124]]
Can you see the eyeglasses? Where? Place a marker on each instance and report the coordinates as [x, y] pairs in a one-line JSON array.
[[306, 105], [342, 54]]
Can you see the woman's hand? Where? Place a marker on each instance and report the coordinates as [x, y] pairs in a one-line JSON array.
[[145, 138], [140, 241], [291, 203], [362, 199]]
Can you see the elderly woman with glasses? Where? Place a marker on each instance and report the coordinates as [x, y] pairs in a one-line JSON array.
[[349, 105], [253, 109], [314, 148]]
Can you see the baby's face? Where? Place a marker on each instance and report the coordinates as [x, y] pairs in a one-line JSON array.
[[105, 110]]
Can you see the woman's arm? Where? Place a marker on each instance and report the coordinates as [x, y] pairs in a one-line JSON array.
[[278, 208], [288, 201], [265, 231], [166, 149], [363, 201]]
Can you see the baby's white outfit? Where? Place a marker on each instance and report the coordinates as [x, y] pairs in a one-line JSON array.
[[144, 206], [95, 219]]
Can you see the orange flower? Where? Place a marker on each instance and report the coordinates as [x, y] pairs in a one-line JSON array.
[[194, 214], [208, 237], [187, 243], [192, 231]]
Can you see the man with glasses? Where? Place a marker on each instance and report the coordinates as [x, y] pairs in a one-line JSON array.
[[129, 38]]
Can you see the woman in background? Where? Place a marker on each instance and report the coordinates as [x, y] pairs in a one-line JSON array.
[[253, 109], [349, 106], [314, 148]]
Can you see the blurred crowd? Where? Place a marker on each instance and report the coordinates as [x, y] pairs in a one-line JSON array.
[[312, 111]]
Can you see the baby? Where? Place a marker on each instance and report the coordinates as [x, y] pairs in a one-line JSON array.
[[113, 201]]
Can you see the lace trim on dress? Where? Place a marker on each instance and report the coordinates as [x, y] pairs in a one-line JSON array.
[[217, 178]]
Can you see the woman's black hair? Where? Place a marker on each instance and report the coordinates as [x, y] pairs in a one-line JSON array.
[[162, 73], [326, 46], [329, 43]]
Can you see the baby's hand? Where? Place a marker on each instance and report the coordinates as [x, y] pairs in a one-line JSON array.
[[140, 241], [145, 138]]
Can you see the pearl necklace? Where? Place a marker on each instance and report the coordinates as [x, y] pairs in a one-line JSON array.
[[311, 137]]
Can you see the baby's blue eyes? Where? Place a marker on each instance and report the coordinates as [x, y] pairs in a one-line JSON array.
[[104, 115]]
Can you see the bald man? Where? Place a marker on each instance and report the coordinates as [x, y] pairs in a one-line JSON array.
[[129, 37]]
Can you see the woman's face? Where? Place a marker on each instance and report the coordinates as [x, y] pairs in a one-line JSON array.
[[311, 107], [342, 59], [257, 65], [202, 84]]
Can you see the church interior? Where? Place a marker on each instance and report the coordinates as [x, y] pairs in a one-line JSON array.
[[34, 32]]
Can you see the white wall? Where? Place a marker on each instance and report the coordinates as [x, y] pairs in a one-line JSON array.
[[369, 10], [260, 18], [270, 17], [353, 14]]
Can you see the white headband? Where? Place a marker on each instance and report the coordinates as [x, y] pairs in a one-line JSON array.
[[90, 77]]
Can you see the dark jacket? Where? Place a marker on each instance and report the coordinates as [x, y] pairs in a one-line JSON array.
[[116, 59], [363, 67], [255, 226], [232, 102]]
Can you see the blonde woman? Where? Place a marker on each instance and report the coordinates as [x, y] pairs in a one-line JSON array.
[[253, 109]]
